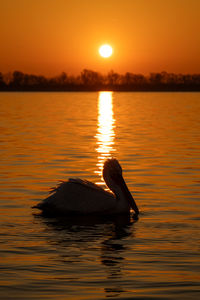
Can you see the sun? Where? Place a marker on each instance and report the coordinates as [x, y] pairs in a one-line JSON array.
[[105, 50]]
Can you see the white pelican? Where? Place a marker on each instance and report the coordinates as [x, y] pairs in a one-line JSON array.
[[77, 196]]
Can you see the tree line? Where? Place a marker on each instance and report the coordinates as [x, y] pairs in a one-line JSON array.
[[89, 80]]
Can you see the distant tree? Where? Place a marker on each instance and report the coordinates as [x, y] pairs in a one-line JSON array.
[[17, 80], [3, 85], [61, 80], [90, 78], [128, 79], [132, 81], [113, 79], [155, 78]]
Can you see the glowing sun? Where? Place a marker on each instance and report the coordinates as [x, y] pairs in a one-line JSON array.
[[105, 50]]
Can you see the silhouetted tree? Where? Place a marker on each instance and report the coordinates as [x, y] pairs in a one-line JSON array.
[[17, 80], [113, 79], [90, 80], [2, 83]]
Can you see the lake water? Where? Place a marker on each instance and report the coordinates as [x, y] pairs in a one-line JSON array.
[[47, 137]]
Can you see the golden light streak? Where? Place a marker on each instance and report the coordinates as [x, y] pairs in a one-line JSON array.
[[105, 129]]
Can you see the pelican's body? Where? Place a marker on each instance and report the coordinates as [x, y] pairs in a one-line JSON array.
[[78, 196]]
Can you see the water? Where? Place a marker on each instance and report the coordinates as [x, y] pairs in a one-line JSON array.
[[47, 137]]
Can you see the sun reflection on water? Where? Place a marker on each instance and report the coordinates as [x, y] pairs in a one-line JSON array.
[[105, 130]]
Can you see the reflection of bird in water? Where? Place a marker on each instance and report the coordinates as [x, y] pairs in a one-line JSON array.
[[97, 243], [78, 196]]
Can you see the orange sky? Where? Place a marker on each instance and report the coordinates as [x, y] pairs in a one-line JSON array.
[[51, 36]]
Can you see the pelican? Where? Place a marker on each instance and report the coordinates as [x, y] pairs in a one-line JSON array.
[[77, 196]]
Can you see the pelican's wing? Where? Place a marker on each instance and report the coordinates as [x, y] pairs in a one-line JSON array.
[[88, 184], [78, 196]]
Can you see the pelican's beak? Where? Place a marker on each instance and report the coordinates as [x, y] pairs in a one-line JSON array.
[[118, 178]]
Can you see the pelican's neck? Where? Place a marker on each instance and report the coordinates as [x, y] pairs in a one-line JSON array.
[[122, 203], [124, 198]]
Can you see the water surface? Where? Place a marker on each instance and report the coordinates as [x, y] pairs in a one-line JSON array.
[[47, 137]]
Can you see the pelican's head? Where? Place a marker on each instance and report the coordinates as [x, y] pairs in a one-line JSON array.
[[112, 174], [111, 168]]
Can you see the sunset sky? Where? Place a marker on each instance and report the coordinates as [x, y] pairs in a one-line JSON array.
[[50, 36]]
